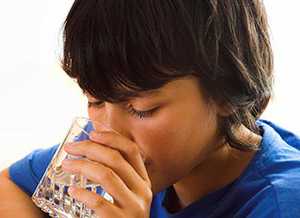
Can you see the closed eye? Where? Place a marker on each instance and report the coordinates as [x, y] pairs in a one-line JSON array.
[[141, 114], [130, 109]]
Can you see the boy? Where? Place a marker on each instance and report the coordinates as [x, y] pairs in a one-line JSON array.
[[184, 83]]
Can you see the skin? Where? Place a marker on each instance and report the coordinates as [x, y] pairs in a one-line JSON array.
[[177, 145], [14, 202]]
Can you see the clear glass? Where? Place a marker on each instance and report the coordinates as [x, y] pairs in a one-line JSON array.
[[51, 194]]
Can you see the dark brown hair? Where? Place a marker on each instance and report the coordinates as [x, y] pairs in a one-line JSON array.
[[116, 48]]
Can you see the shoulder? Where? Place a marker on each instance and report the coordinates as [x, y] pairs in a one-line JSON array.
[[269, 187], [283, 179], [269, 192], [27, 171], [274, 177], [273, 200]]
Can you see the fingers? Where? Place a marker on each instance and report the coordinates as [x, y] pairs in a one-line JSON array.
[[101, 207], [115, 163], [101, 175], [110, 158], [127, 148]]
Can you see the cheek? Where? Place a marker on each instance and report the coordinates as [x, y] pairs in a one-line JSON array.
[[175, 141]]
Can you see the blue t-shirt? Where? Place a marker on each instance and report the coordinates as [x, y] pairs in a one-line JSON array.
[[268, 187]]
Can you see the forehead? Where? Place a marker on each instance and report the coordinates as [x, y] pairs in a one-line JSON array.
[[172, 88]]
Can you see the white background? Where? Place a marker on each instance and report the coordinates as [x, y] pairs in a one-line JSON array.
[[38, 101]]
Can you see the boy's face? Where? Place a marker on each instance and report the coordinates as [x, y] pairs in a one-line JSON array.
[[178, 135]]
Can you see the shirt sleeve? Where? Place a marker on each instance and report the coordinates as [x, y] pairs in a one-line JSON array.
[[27, 172]]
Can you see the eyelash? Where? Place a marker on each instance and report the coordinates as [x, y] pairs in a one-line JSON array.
[[131, 110], [140, 114]]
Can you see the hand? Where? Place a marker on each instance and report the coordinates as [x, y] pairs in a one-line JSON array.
[[114, 162]]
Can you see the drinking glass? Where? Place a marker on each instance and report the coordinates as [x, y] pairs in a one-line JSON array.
[[51, 194]]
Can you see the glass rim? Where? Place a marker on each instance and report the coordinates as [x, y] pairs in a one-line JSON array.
[[88, 120]]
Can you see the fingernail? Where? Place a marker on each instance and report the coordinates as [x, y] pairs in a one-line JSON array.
[[92, 134], [67, 146], [71, 190], [70, 146], [95, 135], [66, 163]]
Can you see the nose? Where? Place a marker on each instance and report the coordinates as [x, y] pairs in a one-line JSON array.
[[110, 116]]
